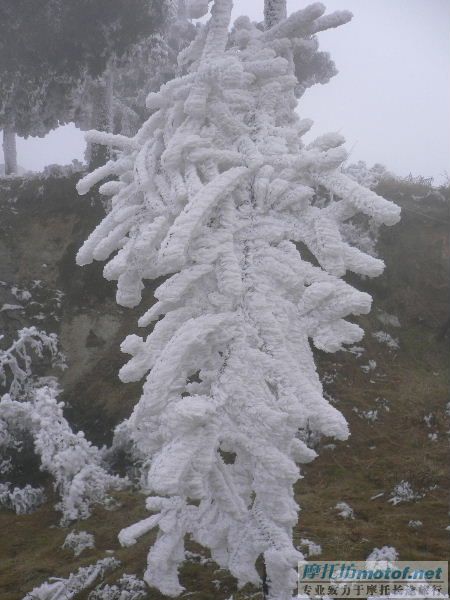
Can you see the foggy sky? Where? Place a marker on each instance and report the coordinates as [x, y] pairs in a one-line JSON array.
[[390, 99]]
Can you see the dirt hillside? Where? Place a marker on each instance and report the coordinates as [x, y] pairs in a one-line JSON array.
[[392, 388]]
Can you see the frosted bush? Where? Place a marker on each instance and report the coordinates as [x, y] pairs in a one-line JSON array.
[[385, 553], [30, 408], [22, 501], [77, 541], [66, 589], [16, 374], [403, 492], [385, 338], [77, 467], [129, 587]]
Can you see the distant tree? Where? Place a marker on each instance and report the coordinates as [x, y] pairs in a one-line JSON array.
[[148, 64], [48, 47], [218, 193]]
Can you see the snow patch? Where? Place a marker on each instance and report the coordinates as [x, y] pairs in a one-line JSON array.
[[312, 548], [345, 511], [371, 366], [385, 338], [387, 319], [403, 492], [388, 553]]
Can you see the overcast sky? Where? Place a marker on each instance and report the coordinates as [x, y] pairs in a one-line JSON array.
[[390, 99]]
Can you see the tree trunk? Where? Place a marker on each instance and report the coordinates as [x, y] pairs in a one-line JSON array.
[[274, 12], [103, 117], [9, 150], [265, 582]]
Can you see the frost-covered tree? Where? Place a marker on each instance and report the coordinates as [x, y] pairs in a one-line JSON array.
[[149, 64], [218, 193], [47, 49], [115, 101]]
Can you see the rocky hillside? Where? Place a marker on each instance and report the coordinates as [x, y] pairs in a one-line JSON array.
[[392, 388]]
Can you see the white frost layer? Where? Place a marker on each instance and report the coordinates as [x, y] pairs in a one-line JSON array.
[[66, 589]]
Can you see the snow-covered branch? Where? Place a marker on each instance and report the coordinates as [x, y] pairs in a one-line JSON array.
[[76, 466], [68, 588], [30, 408], [16, 375]]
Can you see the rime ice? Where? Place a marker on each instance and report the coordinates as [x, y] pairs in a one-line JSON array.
[[218, 193]]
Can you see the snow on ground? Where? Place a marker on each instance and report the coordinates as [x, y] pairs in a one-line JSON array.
[[345, 511]]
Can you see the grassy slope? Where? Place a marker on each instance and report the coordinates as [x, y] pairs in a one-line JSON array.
[[412, 382]]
